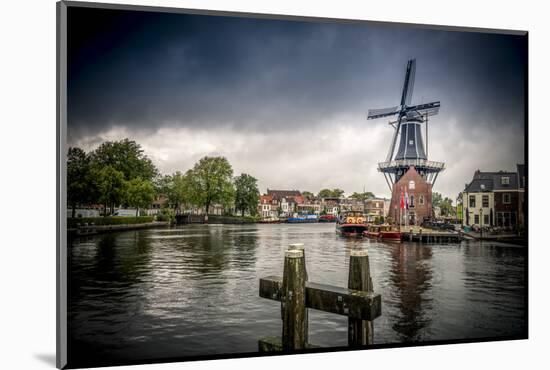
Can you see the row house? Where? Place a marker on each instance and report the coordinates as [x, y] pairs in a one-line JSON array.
[[495, 199], [331, 206], [268, 208], [279, 203]]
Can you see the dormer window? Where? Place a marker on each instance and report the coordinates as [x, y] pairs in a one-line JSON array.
[[482, 186], [505, 180], [411, 184]]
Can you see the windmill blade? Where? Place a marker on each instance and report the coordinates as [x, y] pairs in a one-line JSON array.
[[394, 140], [408, 85], [411, 83], [428, 109], [384, 112]]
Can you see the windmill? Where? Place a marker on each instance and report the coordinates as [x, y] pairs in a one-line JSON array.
[[407, 125]]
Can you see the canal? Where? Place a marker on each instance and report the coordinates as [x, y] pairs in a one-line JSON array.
[[193, 290]]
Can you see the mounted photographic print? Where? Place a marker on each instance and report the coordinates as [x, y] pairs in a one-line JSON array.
[[235, 185]]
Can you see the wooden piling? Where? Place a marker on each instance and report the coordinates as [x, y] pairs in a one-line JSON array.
[[360, 332], [300, 247], [293, 301]]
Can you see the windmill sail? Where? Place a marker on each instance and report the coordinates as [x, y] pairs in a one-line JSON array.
[[408, 85], [384, 112]]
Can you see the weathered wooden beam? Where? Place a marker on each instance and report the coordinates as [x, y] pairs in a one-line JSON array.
[[275, 344], [360, 332], [348, 302], [293, 298]]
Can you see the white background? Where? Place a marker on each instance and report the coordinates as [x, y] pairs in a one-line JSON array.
[[27, 182]]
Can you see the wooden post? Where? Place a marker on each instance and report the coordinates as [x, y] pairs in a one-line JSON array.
[[359, 331], [293, 301], [300, 247]]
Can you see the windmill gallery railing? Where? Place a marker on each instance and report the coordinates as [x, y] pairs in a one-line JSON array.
[[405, 163], [358, 302]]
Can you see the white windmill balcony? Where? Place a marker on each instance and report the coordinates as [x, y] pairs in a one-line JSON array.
[[430, 166]]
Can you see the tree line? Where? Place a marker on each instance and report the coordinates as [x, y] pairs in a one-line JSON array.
[[119, 173]]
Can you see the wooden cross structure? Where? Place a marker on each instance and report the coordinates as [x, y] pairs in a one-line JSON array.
[[358, 302]]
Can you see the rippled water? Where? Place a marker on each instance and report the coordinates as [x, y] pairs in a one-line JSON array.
[[193, 290]]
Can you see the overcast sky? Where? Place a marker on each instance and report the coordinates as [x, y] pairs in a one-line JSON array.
[[286, 101]]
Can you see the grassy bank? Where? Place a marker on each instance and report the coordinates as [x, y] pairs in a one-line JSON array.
[[72, 222]]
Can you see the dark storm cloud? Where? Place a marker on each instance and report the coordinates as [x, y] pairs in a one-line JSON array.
[[149, 69], [143, 72]]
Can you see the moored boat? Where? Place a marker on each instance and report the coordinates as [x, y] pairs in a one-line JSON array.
[[351, 223], [302, 219], [327, 218], [384, 232], [270, 220]]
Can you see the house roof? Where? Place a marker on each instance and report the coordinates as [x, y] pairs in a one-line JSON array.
[[491, 181], [278, 194], [265, 199]]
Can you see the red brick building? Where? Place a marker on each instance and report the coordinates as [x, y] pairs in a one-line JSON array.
[[420, 198]]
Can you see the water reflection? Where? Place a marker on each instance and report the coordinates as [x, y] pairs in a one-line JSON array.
[[411, 275], [193, 290]]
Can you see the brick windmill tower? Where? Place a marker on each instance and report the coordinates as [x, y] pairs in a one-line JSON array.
[[408, 169]]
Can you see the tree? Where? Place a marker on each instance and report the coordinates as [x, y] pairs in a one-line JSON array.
[[79, 186], [175, 188], [111, 186], [210, 181], [362, 196], [337, 193], [445, 204], [436, 199], [125, 156], [247, 194], [308, 195], [140, 193], [328, 193]]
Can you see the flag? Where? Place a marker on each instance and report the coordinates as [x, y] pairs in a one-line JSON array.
[[401, 201], [406, 200]]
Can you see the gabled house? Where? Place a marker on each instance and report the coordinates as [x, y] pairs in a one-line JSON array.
[[495, 199]]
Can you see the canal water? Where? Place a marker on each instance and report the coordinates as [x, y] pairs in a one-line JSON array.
[[193, 290]]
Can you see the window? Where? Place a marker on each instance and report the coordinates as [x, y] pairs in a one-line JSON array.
[[476, 219], [506, 198], [421, 200], [486, 219], [485, 201], [472, 201], [411, 184], [505, 180], [411, 201], [411, 142]]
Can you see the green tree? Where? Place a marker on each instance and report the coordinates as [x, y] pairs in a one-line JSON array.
[[362, 196], [337, 193], [139, 193], [247, 194], [175, 188], [79, 186], [210, 181], [307, 194], [111, 186], [436, 199], [328, 193], [445, 204], [125, 156]]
